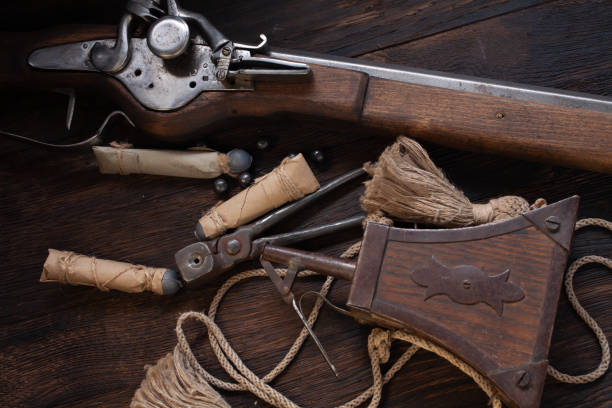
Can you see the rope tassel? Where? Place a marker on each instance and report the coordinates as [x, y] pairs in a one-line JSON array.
[[407, 185], [173, 383]]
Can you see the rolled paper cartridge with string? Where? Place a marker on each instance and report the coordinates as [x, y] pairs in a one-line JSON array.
[[75, 269], [291, 180], [205, 164]]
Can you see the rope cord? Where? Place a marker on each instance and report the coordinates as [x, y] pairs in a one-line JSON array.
[[584, 315], [379, 343]]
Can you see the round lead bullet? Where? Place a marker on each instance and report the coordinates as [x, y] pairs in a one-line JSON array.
[[221, 186], [239, 160], [245, 179]]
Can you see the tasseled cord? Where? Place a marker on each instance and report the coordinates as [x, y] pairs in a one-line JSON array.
[[406, 185], [172, 382]]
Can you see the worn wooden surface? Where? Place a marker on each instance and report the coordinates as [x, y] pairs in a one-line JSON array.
[[463, 308], [489, 124], [67, 346]]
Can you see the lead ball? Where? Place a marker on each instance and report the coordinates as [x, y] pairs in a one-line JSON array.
[[263, 144], [317, 156], [239, 161], [245, 179], [221, 186], [171, 282]]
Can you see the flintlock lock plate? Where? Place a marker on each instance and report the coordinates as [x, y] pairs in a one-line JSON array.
[[157, 83], [488, 294]]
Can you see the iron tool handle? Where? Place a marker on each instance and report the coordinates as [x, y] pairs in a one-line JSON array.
[[327, 265]]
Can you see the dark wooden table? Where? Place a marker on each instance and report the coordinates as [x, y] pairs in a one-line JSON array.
[[66, 346]]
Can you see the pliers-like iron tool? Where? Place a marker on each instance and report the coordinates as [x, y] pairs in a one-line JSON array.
[[204, 261]]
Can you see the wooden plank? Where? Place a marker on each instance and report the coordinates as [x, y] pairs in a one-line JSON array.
[[557, 45], [150, 231], [342, 27], [70, 347], [351, 28]]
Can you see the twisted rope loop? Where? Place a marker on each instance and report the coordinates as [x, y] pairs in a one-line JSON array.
[[584, 315]]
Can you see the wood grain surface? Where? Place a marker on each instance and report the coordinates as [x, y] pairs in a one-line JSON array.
[[463, 307], [77, 347], [483, 123]]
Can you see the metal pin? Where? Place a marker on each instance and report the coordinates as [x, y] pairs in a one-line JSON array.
[[71, 104], [70, 112], [314, 337]]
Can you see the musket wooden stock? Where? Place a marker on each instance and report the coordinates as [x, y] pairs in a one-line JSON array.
[[524, 130], [478, 122]]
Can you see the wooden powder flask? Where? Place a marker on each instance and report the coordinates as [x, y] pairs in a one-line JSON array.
[[488, 293]]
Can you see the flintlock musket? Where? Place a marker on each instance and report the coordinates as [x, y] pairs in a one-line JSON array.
[[185, 78]]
